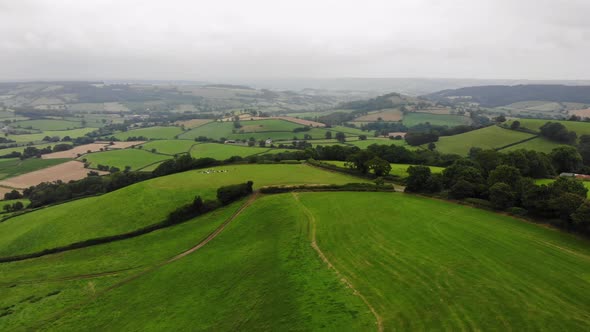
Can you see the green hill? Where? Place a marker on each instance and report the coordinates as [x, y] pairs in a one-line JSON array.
[[492, 137]]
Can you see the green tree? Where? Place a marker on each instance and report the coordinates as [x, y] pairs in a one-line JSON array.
[[515, 125], [340, 137], [379, 166], [581, 216], [463, 189], [566, 159], [328, 135], [418, 179], [505, 174], [502, 196]]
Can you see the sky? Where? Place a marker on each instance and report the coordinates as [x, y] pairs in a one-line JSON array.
[[222, 39]]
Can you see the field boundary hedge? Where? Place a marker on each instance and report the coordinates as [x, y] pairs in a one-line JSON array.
[[361, 187], [178, 216], [516, 143]]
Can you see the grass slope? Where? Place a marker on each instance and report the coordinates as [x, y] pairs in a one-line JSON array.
[[538, 144], [150, 133], [144, 203], [48, 124], [412, 119], [581, 128], [259, 274], [224, 151], [492, 137], [14, 166], [135, 158], [170, 147], [426, 264]]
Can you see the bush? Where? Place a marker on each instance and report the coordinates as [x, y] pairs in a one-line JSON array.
[[481, 203], [228, 194], [517, 211]]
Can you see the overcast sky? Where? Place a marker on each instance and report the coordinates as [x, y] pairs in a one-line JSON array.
[[217, 39]]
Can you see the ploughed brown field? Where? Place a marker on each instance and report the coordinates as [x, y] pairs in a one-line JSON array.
[[385, 115], [193, 123], [71, 170], [93, 147], [583, 113]]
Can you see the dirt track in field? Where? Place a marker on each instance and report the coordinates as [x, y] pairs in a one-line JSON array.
[[71, 170]]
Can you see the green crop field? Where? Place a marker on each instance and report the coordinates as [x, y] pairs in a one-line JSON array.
[[144, 203], [51, 133], [170, 147], [548, 181], [48, 124], [150, 133], [400, 170], [135, 158], [379, 141], [538, 144], [14, 166], [426, 264], [492, 137], [412, 119], [223, 151], [581, 128]]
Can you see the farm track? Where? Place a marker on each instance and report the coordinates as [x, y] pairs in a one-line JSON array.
[[343, 279], [131, 278]]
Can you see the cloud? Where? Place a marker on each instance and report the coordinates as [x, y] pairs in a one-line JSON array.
[[176, 39]]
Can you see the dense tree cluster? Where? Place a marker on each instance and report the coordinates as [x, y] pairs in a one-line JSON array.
[[557, 132]]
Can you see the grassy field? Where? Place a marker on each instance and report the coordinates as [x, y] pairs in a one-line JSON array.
[[412, 119], [170, 147], [400, 170], [14, 166], [392, 115], [51, 133], [260, 275], [135, 158], [145, 203], [224, 151], [426, 264], [581, 128], [548, 181], [492, 137], [150, 133], [381, 141], [48, 124], [538, 144]]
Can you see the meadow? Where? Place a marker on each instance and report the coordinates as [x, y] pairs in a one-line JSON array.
[[539, 144], [260, 275], [145, 203], [400, 170], [51, 133], [170, 147], [581, 128], [427, 264], [48, 124], [492, 137], [135, 158], [150, 133], [224, 151], [414, 118], [14, 166]]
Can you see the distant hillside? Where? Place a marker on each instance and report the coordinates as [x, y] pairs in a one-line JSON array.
[[500, 95]]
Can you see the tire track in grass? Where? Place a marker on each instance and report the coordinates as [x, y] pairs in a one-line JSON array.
[[323, 257], [131, 278]]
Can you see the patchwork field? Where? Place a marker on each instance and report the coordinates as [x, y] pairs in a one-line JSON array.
[[224, 151], [193, 123], [150, 133], [170, 147], [400, 170], [48, 124], [391, 115], [75, 151], [538, 144], [23, 147], [492, 137], [64, 171], [414, 118], [51, 133], [134, 158], [581, 128], [145, 203], [14, 166]]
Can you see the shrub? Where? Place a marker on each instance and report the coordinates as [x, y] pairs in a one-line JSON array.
[[228, 194]]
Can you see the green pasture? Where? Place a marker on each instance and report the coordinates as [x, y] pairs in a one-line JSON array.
[[135, 158], [48, 124], [492, 137], [150, 133], [171, 147], [14, 166], [413, 118], [426, 264], [144, 203]]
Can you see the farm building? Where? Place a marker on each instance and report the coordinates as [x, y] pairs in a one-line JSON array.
[[584, 177]]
